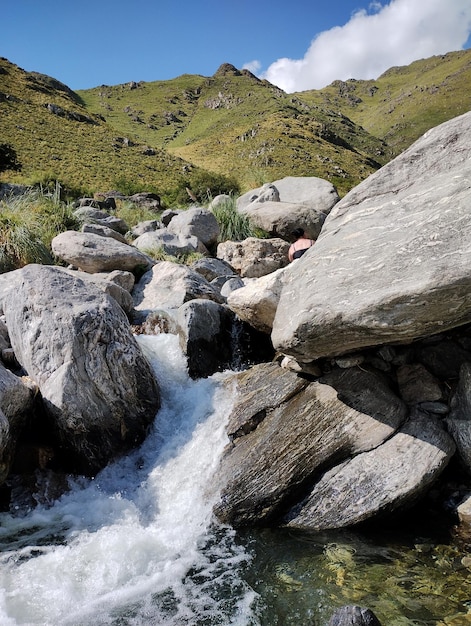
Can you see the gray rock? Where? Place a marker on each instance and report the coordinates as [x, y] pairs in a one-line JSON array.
[[316, 192], [205, 331], [392, 262], [169, 285], [76, 344], [196, 222], [229, 285], [253, 257], [212, 268], [104, 231], [145, 227], [15, 402], [257, 301], [353, 616], [311, 429], [92, 253], [378, 481], [89, 214], [169, 243], [279, 219]]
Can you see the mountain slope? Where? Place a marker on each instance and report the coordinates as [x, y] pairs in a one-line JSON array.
[[404, 102], [55, 136], [153, 136], [234, 123]]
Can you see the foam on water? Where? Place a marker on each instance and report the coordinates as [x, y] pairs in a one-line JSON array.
[[138, 545]]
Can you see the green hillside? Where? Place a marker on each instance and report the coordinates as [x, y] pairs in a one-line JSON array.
[[161, 136], [404, 102], [56, 137], [233, 123]]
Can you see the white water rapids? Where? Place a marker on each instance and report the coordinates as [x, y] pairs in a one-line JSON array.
[[136, 546]]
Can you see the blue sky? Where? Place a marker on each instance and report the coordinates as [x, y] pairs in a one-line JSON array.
[[296, 44]]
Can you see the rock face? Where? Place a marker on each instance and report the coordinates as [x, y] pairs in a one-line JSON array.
[[291, 430], [392, 261], [378, 481], [75, 342]]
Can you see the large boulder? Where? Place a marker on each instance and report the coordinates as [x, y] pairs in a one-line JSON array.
[[256, 302], [378, 481], [279, 219], [93, 253], [253, 257], [310, 190], [76, 344], [169, 285], [196, 222], [15, 402], [282, 439], [169, 243], [392, 261]]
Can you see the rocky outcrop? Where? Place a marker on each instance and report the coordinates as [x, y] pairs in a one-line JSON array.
[[392, 261], [289, 438], [76, 344]]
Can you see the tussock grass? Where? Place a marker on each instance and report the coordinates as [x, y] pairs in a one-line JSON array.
[[28, 223], [233, 225]]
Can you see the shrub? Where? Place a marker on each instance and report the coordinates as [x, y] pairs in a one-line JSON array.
[[28, 223], [200, 187], [233, 225]]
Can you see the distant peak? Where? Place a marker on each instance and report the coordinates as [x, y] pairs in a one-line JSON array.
[[227, 68]]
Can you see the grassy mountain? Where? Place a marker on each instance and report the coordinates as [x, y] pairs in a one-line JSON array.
[[56, 137], [404, 102], [235, 123], [156, 135]]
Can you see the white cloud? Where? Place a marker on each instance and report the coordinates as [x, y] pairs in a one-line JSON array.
[[252, 66], [397, 33]]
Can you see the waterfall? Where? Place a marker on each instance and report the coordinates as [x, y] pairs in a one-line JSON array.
[[138, 544]]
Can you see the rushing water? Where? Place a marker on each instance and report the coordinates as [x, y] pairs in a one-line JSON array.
[[138, 546]]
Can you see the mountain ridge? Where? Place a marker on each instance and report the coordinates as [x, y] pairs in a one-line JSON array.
[[155, 135]]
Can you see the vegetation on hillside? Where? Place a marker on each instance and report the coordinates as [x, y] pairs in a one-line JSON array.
[[197, 136], [28, 223], [404, 102]]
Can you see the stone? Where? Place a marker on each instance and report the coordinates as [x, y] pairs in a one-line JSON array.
[[256, 302], [167, 286], [92, 253], [392, 262], [253, 257], [377, 481], [76, 344], [316, 427]]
